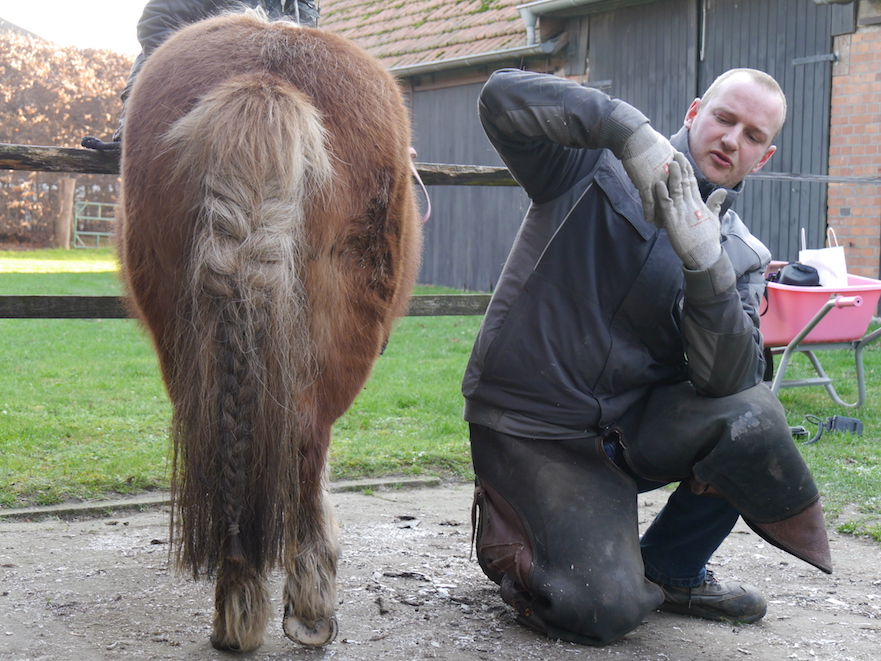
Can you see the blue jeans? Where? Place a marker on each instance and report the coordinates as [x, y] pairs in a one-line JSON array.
[[686, 532]]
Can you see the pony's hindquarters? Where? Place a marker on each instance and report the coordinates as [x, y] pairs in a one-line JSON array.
[[269, 239], [247, 340]]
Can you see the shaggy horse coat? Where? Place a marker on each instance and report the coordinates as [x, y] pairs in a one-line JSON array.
[[269, 238]]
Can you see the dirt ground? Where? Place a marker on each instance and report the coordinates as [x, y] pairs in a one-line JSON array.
[[101, 588]]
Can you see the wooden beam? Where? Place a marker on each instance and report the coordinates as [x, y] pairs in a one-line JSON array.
[[113, 307], [444, 174], [86, 161], [56, 159], [448, 304], [62, 307]]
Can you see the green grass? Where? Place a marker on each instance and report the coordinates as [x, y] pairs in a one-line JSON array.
[[59, 273], [408, 418], [847, 468], [58, 261], [83, 412]]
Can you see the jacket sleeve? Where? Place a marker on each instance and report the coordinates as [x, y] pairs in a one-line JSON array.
[[161, 18], [538, 123], [720, 321]]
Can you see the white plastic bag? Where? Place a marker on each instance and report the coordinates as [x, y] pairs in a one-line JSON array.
[[829, 262]]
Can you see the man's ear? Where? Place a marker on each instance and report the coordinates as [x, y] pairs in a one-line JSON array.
[[764, 159], [691, 113]]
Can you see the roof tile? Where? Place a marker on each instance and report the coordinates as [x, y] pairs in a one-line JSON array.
[[418, 31]]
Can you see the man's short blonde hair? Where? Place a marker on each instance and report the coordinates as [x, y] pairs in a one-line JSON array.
[[760, 78]]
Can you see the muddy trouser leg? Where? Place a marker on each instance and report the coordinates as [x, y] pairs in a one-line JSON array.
[[738, 448], [558, 532]]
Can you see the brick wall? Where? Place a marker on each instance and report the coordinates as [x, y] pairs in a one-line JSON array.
[[855, 148]]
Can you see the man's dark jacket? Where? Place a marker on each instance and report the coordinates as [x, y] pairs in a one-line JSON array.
[[594, 308], [163, 17]]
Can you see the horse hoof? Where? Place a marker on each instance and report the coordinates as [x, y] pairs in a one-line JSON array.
[[321, 633], [223, 645]]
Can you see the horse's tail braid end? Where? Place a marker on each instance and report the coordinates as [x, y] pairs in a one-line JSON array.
[[250, 184]]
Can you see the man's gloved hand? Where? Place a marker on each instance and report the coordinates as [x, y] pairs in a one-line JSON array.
[[646, 156], [693, 227], [91, 142]]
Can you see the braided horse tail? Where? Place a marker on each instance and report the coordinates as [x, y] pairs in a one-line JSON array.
[[269, 239], [247, 309]]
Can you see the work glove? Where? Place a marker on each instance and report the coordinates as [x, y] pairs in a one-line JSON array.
[[645, 157], [91, 142], [693, 227]]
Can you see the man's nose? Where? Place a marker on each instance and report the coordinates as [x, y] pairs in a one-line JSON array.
[[731, 138]]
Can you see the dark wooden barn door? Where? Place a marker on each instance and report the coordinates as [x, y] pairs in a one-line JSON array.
[[792, 41], [647, 55], [472, 227], [659, 56]]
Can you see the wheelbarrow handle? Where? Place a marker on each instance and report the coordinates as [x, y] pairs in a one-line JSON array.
[[848, 301]]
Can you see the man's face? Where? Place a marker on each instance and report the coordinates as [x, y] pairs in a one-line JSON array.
[[730, 135]]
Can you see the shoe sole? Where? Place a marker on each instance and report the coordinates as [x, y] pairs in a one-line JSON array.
[[709, 614]]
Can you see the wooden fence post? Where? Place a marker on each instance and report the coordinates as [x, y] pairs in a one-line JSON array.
[[64, 220]]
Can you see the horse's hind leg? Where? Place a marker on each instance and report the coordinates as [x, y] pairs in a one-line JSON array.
[[311, 561], [241, 607]]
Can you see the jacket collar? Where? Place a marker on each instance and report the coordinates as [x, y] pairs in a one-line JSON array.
[[707, 188]]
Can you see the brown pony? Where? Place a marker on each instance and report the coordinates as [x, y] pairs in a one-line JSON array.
[[269, 239]]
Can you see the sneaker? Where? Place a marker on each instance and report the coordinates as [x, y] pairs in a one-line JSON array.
[[713, 600]]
